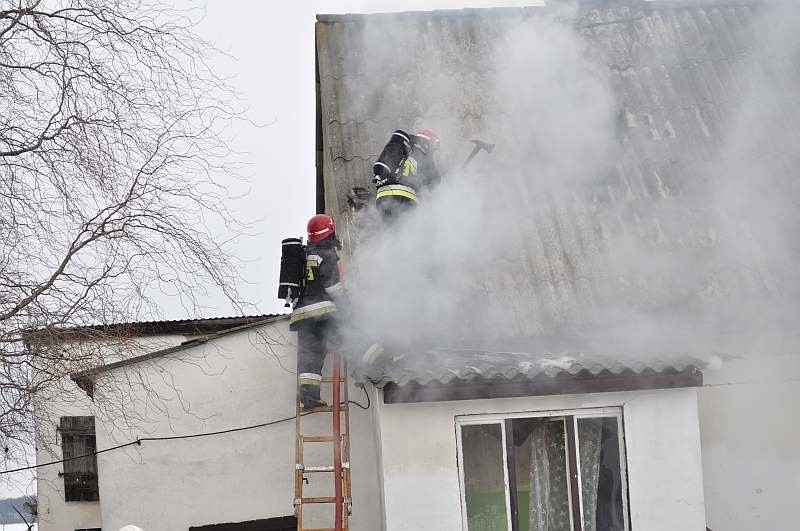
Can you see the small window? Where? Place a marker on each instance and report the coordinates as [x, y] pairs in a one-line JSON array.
[[80, 475], [550, 472]]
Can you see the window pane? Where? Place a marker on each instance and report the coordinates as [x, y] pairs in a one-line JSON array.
[[542, 482], [601, 477], [484, 477]]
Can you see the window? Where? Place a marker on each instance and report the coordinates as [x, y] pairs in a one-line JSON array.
[[556, 471], [80, 475]]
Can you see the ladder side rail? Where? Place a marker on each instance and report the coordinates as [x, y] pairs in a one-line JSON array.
[[346, 473], [337, 448], [298, 467]]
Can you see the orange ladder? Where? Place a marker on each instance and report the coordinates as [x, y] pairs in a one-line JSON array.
[[341, 500]]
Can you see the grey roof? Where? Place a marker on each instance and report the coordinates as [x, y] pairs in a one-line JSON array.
[[673, 66], [85, 378], [448, 365], [191, 327]]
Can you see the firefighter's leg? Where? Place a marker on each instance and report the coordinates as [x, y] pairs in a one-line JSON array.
[[310, 358], [392, 208]]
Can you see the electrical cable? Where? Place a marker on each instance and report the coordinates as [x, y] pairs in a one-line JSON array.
[[366, 394], [140, 440]]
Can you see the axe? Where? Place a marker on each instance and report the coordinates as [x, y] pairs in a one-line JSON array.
[[479, 145]]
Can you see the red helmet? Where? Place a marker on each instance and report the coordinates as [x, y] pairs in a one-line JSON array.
[[430, 139], [320, 227]]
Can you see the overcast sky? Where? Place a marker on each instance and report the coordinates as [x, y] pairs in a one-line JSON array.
[[271, 64]]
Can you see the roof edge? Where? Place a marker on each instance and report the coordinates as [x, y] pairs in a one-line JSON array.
[[508, 11], [200, 326], [564, 384], [466, 12], [85, 379]]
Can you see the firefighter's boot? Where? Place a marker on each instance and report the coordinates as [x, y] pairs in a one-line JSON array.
[[310, 396]]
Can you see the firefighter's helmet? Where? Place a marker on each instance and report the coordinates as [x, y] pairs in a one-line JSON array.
[[320, 227], [428, 139]]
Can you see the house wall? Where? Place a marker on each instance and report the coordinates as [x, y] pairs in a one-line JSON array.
[[239, 380], [751, 455], [421, 477], [64, 398], [55, 514]]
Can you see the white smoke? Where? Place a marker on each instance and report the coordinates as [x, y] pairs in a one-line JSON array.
[[532, 240]]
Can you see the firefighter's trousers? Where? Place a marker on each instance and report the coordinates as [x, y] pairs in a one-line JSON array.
[[392, 208], [314, 338]]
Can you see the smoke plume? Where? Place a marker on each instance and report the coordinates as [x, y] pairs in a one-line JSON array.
[[572, 234]]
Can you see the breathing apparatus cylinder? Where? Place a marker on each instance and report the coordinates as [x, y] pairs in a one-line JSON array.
[[387, 166], [293, 259]]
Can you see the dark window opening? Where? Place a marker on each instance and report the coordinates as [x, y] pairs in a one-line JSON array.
[[80, 475]]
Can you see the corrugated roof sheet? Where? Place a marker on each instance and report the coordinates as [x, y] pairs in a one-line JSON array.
[[674, 69], [447, 365], [198, 326]]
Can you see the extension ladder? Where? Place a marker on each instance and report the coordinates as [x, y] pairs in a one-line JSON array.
[[341, 500]]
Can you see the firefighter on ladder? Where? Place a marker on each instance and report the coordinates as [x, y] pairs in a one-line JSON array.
[[404, 171], [314, 315]]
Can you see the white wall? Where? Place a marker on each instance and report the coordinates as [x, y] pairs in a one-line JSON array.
[[55, 514], [239, 380], [751, 442], [64, 398], [662, 442]]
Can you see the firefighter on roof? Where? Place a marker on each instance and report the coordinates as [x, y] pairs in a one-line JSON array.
[[314, 314], [404, 171]]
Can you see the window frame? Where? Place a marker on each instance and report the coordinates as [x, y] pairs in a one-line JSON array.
[[68, 432], [570, 418]]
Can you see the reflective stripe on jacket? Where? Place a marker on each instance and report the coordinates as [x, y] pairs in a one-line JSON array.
[[312, 310], [398, 190]]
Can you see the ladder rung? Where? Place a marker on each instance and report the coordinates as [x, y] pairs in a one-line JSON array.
[[322, 409], [316, 469], [318, 438], [326, 409], [321, 499]]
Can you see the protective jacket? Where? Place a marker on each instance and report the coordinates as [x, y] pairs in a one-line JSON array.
[[416, 174], [322, 284]]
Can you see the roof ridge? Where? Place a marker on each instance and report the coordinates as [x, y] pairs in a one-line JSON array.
[[508, 10]]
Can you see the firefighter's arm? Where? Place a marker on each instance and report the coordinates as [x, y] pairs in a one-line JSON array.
[[331, 273]]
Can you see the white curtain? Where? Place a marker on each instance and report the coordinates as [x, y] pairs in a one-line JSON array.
[[549, 483], [549, 502]]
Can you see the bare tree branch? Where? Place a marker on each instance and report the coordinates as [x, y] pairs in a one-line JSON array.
[[112, 153]]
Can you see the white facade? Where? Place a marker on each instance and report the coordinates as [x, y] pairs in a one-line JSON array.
[[404, 456], [239, 380], [751, 453], [66, 399], [662, 439]]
